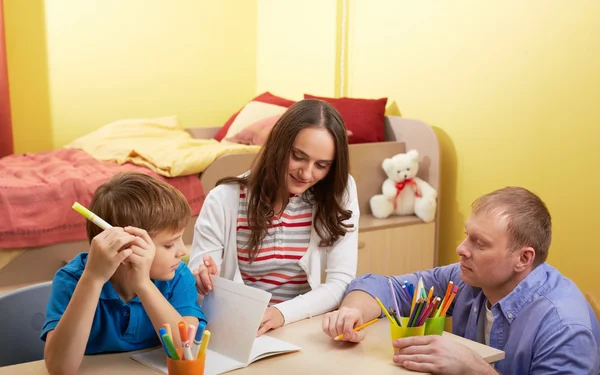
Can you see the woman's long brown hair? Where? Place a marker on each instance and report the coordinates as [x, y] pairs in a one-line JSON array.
[[266, 182]]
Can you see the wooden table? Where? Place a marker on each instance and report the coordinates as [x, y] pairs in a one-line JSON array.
[[319, 355]]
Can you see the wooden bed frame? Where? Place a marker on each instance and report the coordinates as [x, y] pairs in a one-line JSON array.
[[383, 243]]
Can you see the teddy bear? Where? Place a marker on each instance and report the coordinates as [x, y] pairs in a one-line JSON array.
[[403, 192]]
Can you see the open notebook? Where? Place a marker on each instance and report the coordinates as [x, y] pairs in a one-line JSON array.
[[234, 312]]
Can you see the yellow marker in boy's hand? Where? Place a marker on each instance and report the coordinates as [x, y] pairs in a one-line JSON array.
[[91, 216]]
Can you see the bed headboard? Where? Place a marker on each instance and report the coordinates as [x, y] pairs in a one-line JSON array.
[[401, 134]]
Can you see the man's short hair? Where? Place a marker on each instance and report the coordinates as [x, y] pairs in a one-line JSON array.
[[528, 220]]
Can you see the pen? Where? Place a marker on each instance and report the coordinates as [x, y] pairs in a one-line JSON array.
[[167, 326], [191, 333], [436, 302], [397, 310], [198, 338], [187, 351], [424, 313], [396, 316], [161, 333], [204, 346], [170, 346], [412, 321], [358, 328], [411, 289], [414, 301], [447, 305], [91, 216], [406, 292], [385, 311], [445, 299]]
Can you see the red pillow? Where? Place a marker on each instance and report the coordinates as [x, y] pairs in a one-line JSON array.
[[255, 134], [265, 97], [364, 118]]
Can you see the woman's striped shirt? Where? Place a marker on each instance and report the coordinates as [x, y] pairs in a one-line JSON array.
[[275, 269]]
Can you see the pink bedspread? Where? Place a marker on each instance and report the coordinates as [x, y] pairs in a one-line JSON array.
[[38, 190]]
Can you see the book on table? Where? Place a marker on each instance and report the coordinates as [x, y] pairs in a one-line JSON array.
[[234, 312]]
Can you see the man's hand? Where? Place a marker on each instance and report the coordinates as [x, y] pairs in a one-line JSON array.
[[140, 261], [108, 249], [438, 355], [273, 318], [343, 321], [202, 274]]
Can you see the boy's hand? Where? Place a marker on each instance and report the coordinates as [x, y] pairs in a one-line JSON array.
[[203, 272], [140, 261], [108, 249]]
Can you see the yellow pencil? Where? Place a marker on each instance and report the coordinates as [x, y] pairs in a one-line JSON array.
[[392, 321], [430, 295], [358, 328]]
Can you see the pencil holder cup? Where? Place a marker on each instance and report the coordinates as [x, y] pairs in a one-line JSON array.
[[398, 332], [185, 366], [435, 326]]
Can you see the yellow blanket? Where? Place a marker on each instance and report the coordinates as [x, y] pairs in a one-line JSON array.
[[160, 144]]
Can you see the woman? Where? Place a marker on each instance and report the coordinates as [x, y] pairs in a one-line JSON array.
[[290, 219]]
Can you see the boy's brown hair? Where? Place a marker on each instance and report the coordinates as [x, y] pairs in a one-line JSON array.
[[138, 200]]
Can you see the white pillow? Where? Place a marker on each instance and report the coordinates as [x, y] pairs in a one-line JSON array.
[[251, 113]]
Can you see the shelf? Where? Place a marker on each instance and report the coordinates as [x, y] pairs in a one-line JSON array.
[[369, 222]]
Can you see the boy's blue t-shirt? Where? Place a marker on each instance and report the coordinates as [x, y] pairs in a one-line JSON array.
[[120, 326]]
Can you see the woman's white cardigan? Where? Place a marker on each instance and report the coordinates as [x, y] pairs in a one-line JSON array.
[[215, 234]]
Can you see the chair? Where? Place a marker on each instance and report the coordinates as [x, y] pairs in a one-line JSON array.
[[22, 315]]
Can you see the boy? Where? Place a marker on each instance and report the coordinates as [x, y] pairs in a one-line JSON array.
[[131, 282]]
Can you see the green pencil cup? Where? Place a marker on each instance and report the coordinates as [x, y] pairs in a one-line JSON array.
[[435, 326]]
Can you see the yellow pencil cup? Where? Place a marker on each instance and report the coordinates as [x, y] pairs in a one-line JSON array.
[[186, 367], [435, 326], [398, 332]]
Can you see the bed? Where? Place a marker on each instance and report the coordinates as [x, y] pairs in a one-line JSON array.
[[22, 266]]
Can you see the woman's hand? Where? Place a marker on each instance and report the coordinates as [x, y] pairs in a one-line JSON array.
[[202, 274], [273, 318]]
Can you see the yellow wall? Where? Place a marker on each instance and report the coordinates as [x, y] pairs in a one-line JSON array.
[[512, 89], [137, 58], [24, 24], [296, 47]]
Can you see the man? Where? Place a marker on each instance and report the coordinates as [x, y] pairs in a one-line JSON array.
[[508, 298]]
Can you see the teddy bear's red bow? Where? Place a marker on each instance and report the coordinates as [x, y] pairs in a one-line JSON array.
[[401, 185]]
